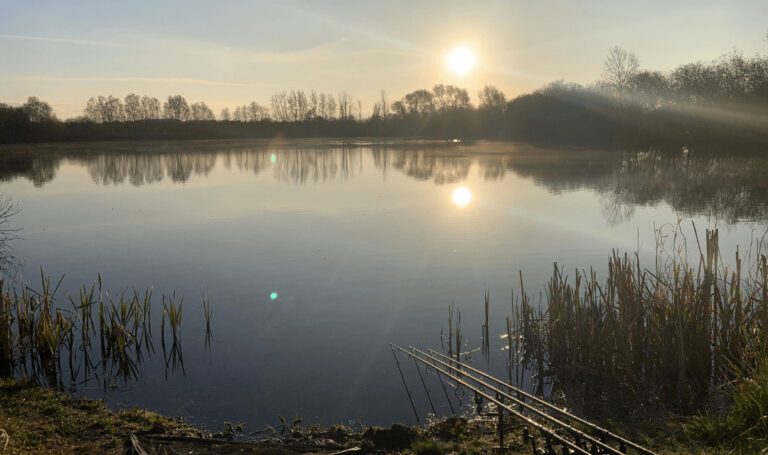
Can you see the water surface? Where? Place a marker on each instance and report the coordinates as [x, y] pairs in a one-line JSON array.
[[362, 244]]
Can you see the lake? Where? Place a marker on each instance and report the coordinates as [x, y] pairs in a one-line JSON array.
[[316, 254]]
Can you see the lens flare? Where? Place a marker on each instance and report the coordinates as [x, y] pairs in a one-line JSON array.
[[461, 196]]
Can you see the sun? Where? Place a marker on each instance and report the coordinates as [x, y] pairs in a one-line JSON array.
[[461, 60]]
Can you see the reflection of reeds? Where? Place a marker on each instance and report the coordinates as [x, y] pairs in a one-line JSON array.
[[513, 336], [455, 338], [172, 312], [207, 314], [47, 343]]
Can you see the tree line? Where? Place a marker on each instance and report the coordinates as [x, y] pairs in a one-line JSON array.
[[293, 106], [726, 97]]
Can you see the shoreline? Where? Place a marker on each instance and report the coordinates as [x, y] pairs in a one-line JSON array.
[[41, 420]]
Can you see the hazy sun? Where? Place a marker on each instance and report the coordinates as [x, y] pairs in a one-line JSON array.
[[461, 60], [461, 196]]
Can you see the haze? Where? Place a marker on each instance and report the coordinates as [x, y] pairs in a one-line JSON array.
[[241, 51]]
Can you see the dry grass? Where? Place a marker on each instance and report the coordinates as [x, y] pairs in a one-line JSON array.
[[674, 333], [39, 420]]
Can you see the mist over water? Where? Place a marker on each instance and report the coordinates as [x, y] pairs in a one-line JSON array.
[[317, 253]]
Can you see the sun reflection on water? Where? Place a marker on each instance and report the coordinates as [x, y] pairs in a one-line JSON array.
[[461, 196]]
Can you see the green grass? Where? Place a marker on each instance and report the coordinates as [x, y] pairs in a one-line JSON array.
[[428, 447], [745, 425]]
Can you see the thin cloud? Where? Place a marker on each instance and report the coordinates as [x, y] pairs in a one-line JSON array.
[[334, 49], [320, 16], [64, 40], [162, 80]]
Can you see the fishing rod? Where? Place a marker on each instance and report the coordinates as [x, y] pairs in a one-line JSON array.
[[576, 432], [590, 425], [549, 433]]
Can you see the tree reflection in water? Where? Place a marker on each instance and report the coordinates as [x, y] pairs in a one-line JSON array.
[[731, 188]]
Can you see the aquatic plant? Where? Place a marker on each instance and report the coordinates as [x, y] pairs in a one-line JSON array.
[[673, 333], [172, 312], [46, 342], [485, 336]]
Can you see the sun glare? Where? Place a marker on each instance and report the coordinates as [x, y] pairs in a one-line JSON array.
[[461, 60], [461, 196]]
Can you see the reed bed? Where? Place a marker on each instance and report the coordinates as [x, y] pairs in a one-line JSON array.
[[675, 333], [95, 337]]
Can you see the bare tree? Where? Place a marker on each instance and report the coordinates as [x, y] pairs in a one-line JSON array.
[[440, 97], [384, 105], [491, 98], [92, 112], [240, 114], [113, 110], [279, 102], [322, 106], [298, 106], [224, 116], [38, 111], [420, 102], [313, 105], [330, 107], [176, 108], [256, 112], [449, 97], [649, 88], [619, 67], [200, 111], [398, 107], [377, 110], [150, 107], [326, 106], [345, 105], [359, 110], [104, 109], [132, 108]]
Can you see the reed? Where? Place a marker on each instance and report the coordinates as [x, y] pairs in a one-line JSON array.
[[6, 335], [45, 342], [675, 333], [172, 313], [485, 333], [455, 337], [513, 336]]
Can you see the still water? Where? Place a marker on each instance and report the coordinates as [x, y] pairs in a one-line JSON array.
[[318, 254]]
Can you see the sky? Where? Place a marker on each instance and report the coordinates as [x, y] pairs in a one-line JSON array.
[[230, 53]]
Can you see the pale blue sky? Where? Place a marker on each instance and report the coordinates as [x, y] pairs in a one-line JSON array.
[[228, 53]]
